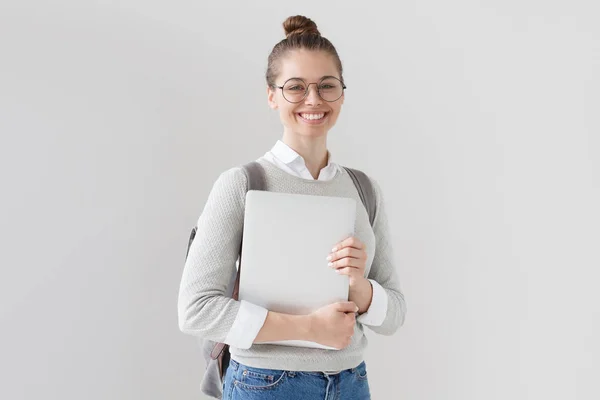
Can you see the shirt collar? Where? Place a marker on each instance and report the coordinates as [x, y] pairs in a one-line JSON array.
[[289, 156], [285, 153]]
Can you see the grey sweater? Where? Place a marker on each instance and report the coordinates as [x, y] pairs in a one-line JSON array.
[[204, 308]]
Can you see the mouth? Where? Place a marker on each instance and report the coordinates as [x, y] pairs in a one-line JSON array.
[[313, 118]]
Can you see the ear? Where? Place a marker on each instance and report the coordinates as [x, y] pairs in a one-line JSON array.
[[271, 98]]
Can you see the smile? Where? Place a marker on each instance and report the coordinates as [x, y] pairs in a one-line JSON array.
[[313, 118]]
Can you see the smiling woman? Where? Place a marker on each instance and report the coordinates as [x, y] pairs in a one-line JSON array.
[[305, 60], [306, 87]]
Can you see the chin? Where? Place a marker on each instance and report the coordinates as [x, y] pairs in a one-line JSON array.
[[313, 132]]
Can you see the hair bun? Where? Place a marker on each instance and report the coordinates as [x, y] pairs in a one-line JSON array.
[[300, 25]]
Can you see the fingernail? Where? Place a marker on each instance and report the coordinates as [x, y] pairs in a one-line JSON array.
[[329, 258], [330, 264], [356, 309], [334, 250]]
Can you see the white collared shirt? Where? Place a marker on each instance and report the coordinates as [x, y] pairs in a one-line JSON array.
[[290, 161], [248, 321]]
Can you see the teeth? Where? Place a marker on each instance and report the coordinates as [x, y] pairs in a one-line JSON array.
[[312, 116]]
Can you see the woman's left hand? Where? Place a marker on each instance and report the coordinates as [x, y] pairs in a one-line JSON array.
[[349, 257]]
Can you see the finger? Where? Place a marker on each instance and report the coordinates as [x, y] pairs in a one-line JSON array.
[[349, 271], [347, 306], [346, 262], [346, 252], [351, 241]]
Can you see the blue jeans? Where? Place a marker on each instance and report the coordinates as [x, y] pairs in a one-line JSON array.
[[248, 383]]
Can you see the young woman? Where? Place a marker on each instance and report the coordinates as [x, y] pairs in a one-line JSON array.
[[305, 85]]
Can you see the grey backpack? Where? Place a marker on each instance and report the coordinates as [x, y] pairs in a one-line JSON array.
[[217, 355]]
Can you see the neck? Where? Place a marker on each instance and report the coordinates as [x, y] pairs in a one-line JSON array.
[[312, 149]]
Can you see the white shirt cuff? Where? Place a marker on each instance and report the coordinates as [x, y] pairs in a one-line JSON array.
[[248, 322], [377, 311]]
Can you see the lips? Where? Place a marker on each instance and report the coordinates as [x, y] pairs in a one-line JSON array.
[[313, 117]]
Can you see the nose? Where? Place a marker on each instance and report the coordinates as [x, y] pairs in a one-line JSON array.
[[312, 97]]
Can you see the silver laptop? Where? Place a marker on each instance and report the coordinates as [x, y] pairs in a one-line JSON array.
[[287, 238]]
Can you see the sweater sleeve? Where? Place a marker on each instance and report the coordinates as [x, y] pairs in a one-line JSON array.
[[377, 311], [383, 270], [205, 307]]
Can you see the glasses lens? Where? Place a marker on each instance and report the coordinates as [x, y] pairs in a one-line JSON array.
[[330, 89], [294, 90]]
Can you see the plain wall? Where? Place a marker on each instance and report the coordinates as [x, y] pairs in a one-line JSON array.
[[479, 119]]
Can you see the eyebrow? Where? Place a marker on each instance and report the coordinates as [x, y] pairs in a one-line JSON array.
[[323, 77]]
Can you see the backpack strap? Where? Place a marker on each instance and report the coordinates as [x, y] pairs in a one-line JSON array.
[[365, 191], [255, 175], [192, 236]]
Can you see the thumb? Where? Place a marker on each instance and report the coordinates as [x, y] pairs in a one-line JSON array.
[[347, 306]]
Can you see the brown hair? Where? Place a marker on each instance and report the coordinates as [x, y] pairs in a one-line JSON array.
[[301, 33]]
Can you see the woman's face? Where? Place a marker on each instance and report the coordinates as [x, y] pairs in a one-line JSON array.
[[303, 118]]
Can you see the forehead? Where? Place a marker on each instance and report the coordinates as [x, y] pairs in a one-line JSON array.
[[308, 65]]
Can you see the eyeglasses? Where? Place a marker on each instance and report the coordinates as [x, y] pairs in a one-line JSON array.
[[295, 90]]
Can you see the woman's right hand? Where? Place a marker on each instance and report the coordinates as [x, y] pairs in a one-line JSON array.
[[333, 325]]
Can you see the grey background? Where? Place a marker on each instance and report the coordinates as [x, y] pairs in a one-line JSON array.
[[480, 120]]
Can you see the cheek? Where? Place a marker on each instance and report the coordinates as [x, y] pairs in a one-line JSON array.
[[335, 114], [287, 114], [290, 113]]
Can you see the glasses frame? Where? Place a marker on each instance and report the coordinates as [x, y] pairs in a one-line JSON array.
[[308, 85]]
